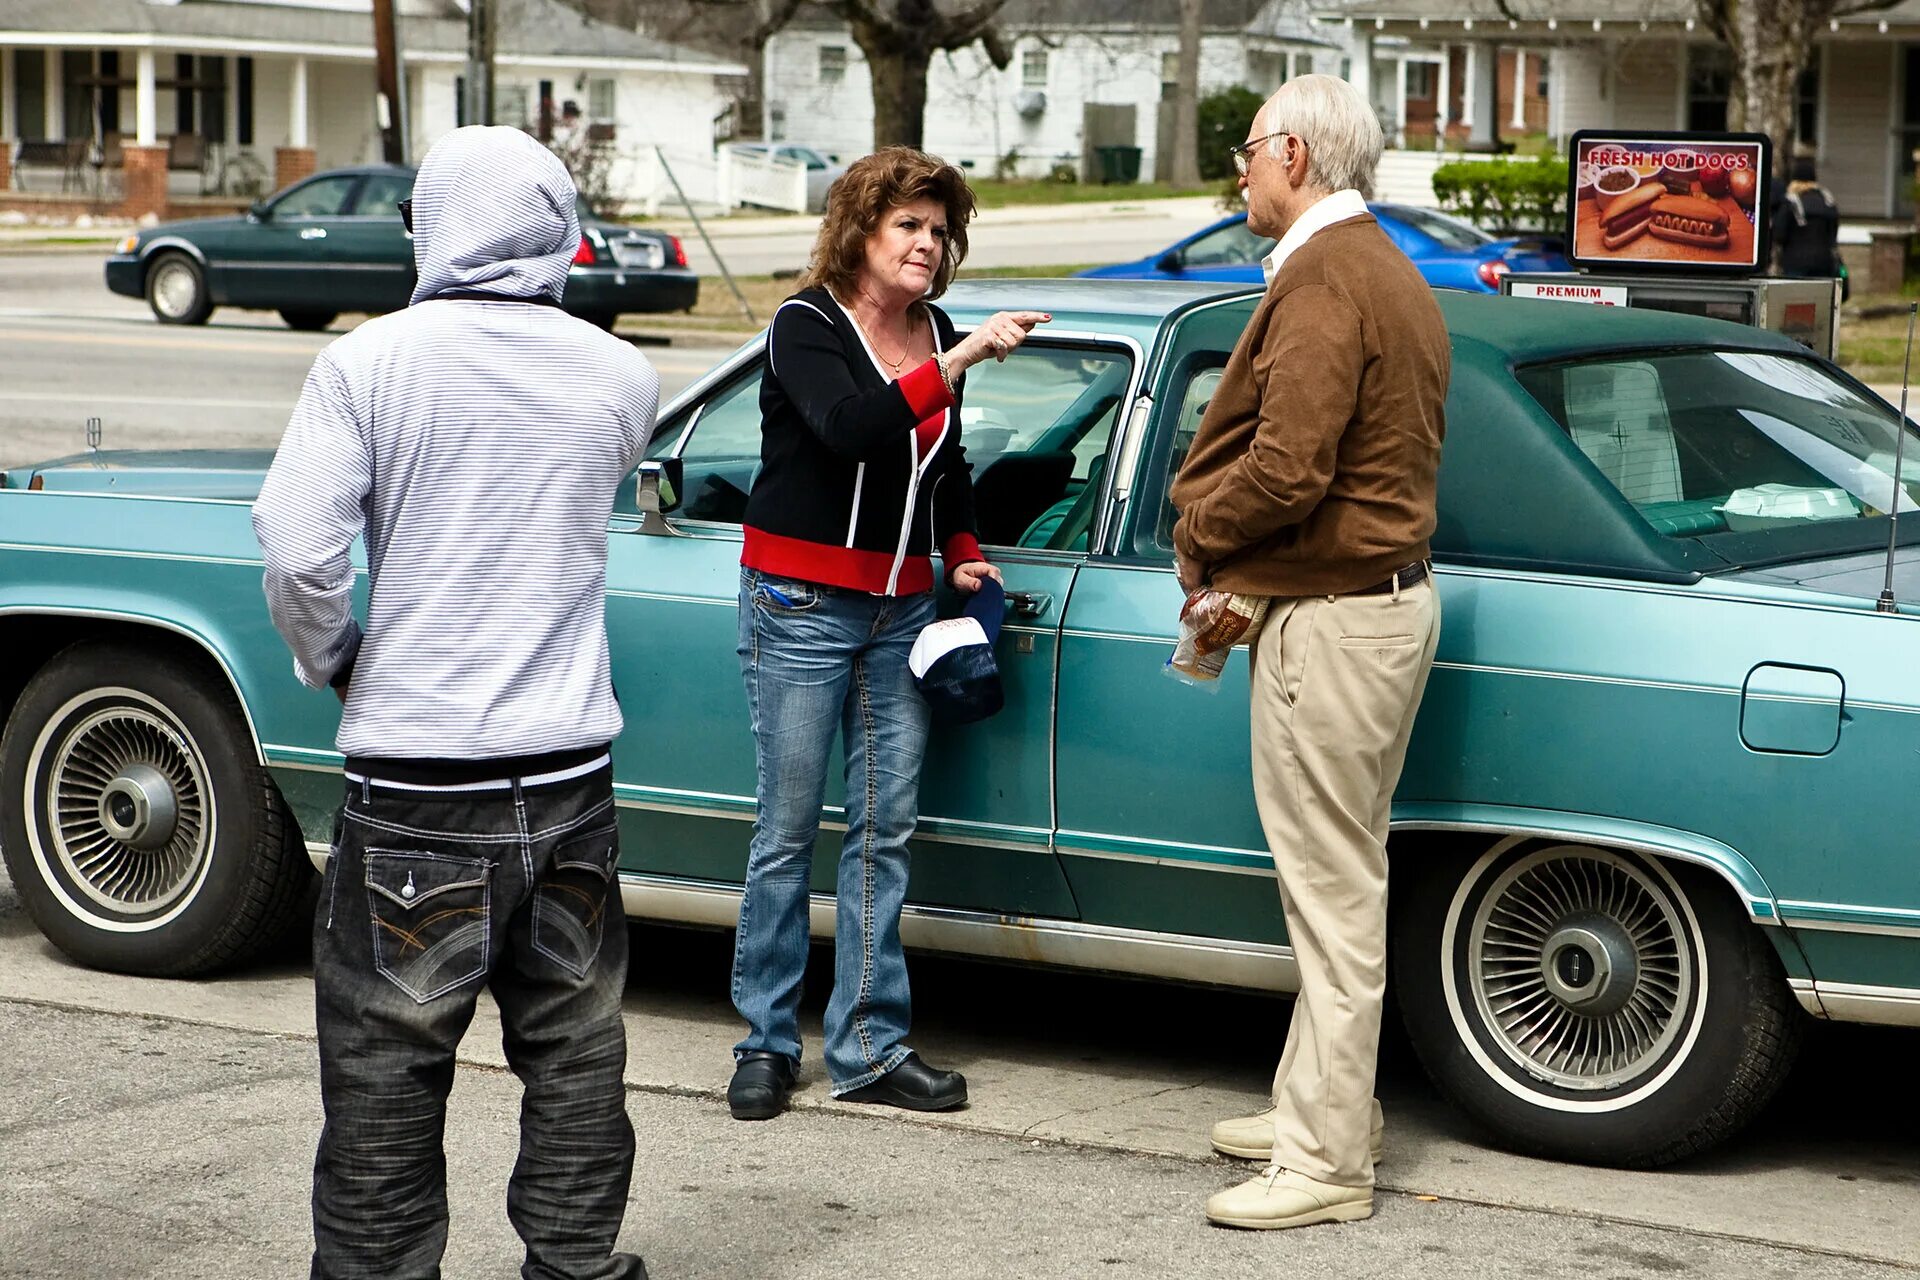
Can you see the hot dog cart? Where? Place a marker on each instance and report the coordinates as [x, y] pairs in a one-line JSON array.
[[1679, 222]]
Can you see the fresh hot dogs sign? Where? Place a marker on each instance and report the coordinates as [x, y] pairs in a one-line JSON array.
[[1669, 201]]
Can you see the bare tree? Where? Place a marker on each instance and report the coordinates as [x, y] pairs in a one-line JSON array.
[[1772, 43], [1186, 96], [899, 39]]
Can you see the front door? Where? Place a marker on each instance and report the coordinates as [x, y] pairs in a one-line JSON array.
[[369, 250], [1157, 826], [280, 261], [1037, 430]]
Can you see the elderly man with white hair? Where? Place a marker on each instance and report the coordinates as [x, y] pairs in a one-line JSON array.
[[1311, 483]]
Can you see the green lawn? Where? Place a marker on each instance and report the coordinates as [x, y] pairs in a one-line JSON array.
[[997, 193]]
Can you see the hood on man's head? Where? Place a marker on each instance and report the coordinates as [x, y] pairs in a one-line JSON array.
[[493, 213]]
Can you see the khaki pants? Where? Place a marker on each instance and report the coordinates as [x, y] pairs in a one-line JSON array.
[[1336, 683]]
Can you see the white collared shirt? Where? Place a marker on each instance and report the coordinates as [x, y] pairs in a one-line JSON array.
[[1323, 213]]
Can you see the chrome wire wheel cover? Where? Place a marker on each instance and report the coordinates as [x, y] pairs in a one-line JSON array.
[[174, 288], [128, 806], [1582, 967]]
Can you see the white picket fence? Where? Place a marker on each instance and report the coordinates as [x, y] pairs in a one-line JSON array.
[[1406, 177], [759, 179]]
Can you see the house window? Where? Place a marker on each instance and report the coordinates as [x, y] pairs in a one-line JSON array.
[[1806, 107], [109, 91], [833, 63], [600, 101], [1543, 82], [213, 99], [1346, 68], [512, 106], [1169, 68], [1033, 69], [243, 102], [1709, 85], [776, 123], [76, 106], [182, 94], [1420, 80], [30, 94]]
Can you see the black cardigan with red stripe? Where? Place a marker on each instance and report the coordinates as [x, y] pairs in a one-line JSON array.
[[840, 461]]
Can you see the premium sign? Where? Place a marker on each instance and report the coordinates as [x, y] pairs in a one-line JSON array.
[[1688, 202], [1600, 295]]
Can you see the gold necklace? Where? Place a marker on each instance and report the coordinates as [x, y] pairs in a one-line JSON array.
[[893, 365]]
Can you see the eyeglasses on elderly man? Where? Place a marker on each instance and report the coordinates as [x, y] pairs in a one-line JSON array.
[[1243, 154]]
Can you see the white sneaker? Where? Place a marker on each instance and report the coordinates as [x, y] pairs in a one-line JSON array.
[[1251, 1137], [1281, 1198]]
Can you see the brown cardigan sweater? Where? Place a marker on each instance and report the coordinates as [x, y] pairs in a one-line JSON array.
[[1313, 470]]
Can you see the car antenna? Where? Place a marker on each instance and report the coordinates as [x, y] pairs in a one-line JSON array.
[[1885, 604], [93, 435]]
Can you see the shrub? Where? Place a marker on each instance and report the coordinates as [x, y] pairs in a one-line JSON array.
[[1505, 195], [1224, 120]]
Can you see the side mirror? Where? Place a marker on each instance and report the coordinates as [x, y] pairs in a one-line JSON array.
[[257, 211], [658, 493], [1170, 263]]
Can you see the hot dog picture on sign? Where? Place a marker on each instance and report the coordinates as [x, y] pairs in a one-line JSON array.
[[1669, 201]]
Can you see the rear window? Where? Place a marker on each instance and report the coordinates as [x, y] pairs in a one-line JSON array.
[[1454, 235], [1706, 443]]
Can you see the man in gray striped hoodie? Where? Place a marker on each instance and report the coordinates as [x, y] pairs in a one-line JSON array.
[[476, 441]]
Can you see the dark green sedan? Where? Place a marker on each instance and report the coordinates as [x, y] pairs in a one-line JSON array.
[[335, 243]]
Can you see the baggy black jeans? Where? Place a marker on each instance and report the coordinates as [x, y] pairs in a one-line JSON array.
[[430, 896]]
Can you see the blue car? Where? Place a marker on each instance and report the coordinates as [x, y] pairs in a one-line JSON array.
[[1451, 254]]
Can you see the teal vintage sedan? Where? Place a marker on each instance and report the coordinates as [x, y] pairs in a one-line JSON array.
[[335, 242], [1655, 815]]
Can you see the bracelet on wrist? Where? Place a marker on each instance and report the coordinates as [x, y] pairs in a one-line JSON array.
[[946, 375]]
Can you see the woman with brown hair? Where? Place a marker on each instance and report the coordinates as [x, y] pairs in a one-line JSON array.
[[862, 482]]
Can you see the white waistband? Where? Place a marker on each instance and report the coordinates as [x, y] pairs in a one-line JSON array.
[[491, 784]]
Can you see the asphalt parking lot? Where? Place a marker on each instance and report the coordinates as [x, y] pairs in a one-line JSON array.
[[153, 1128]]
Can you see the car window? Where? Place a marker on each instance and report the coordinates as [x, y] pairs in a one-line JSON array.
[[321, 198], [1231, 245], [1036, 429], [381, 196], [1452, 234], [1203, 375], [1716, 442], [720, 451]]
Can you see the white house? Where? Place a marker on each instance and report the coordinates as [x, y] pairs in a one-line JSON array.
[[153, 102], [1649, 64], [1085, 73]]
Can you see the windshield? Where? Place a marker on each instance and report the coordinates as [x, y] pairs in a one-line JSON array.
[[1710, 443], [1453, 234]]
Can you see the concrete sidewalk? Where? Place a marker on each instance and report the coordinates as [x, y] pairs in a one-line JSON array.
[[1143, 1069]]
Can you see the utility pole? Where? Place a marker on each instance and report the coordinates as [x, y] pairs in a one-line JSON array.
[[478, 101], [390, 98]]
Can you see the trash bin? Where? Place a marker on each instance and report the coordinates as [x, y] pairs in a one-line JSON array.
[[1118, 164]]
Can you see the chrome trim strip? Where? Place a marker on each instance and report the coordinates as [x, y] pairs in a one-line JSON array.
[[1256, 966], [1759, 910], [1071, 944], [1809, 999], [246, 713], [53, 549], [159, 243], [1845, 917], [132, 497], [1883, 1006]]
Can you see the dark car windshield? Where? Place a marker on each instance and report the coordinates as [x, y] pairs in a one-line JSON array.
[[1765, 454], [1452, 234]]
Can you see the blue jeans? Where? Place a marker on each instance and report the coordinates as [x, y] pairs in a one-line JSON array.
[[428, 898], [817, 660]]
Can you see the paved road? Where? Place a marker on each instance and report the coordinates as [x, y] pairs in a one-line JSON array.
[[154, 1128], [69, 350], [1080, 235]]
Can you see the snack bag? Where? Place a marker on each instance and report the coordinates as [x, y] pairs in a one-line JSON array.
[[1211, 623]]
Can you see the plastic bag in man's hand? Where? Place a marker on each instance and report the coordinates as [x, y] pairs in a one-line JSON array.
[[1211, 623]]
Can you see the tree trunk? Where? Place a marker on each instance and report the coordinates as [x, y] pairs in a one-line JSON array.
[[1185, 170], [1771, 42], [899, 69]]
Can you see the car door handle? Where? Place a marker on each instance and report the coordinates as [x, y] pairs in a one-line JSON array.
[[1028, 604], [313, 233]]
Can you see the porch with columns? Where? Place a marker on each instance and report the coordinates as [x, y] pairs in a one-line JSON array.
[[236, 127], [1470, 94]]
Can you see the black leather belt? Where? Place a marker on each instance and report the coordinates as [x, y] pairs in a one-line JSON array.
[[1415, 572]]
